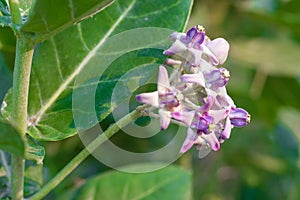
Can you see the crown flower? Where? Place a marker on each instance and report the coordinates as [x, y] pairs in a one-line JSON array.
[[195, 93]]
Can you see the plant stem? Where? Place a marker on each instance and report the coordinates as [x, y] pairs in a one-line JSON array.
[[15, 11], [17, 179], [86, 152], [22, 68]]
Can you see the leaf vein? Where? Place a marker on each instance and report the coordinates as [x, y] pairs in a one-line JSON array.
[[81, 37], [72, 11], [155, 188], [57, 58], [83, 63]]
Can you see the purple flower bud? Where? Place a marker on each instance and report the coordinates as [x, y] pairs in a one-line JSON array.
[[203, 123], [217, 78], [195, 36], [239, 117]]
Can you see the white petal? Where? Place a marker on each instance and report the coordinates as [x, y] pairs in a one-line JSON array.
[[219, 114], [163, 79], [197, 57], [164, 119], [194, 78], [184, 116], [177, 47], [150, 98], [189, 140], [212, 140], [220, 48]]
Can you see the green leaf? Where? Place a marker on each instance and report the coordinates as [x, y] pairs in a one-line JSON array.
[[168, 183], [33, 179], [34, 151], [4, 10], [5, 21], [84, 48], [51, 16], [10, 140]]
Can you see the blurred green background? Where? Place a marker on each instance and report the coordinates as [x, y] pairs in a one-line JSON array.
[[260, 161]]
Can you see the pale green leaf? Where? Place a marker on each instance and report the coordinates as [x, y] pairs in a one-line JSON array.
[[168, 183]]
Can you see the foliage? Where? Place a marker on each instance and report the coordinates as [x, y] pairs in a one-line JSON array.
[[259, 162]]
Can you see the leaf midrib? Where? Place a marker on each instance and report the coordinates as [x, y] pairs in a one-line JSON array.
[[82, 64], [44, 36], [156, 187]]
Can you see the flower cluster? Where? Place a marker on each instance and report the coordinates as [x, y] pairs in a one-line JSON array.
[[195, 93]]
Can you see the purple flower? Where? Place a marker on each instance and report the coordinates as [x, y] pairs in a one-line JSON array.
[[196, 94], [194, 37], [213, 79], [164, 98], [217, 78], [239, 117], [192, 43]]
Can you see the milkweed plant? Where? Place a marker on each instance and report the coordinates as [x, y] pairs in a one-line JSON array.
[[59, 42], [195, 93]]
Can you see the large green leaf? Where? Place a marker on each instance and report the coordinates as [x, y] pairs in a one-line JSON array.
[[51, 16], [83, 48], [168, 183], [10, 140]]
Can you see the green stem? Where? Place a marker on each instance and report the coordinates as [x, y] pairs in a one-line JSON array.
[[24, 53], [86, 152], [17, 179], [15, 11]]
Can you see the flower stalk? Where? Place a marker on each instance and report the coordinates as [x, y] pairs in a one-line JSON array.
[[86, 152]]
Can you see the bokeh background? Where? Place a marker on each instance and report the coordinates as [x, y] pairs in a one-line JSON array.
[[260, 161]]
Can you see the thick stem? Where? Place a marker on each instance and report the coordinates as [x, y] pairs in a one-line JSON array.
[[86, 152], [24, 53], [17, 179]]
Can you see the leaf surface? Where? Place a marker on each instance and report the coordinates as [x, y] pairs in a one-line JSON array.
[[84, 48], [168, 183], [51, 16], [10, 140]]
